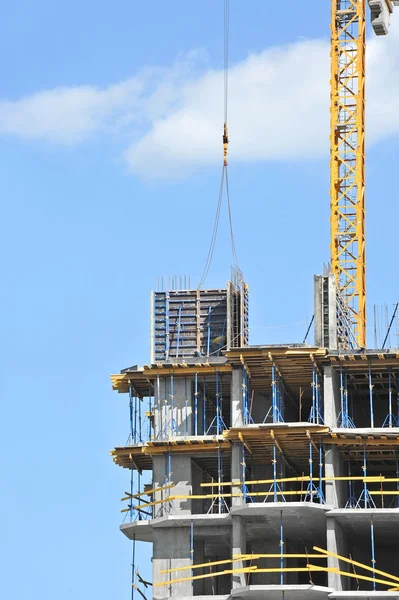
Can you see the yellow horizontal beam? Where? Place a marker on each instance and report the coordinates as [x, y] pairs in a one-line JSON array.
[[147, 504], [202, 565], [257, 556], [187, 448], [243, 557], [240, 495], [355, 563], [218, 574], [305, 478], [183, 370], [346, 574], [147, 493], [383, 493], [362, 441]]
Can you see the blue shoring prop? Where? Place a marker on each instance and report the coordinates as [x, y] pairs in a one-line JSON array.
[[275, 486], [274, 410], [209, 331], [372, 549], [167, 333], [320, 488], [244, 487], [390, 419], [134, 410], [365, 496], [371, 399], [192, 541], [172, 406], [395, 500], [186, 405], [196, 404], [344, 420], [204, 404], [351, 503], [217, 422], [281, 548], [219, 499], [312, 490], [133, 564]]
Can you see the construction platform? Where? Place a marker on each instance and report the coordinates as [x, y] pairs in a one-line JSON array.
[[274, 472]]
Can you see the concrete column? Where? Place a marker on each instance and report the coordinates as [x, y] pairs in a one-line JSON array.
[[336, 491], [336, 543], [332, 401], [171, 550], [236, 473], [237, 417], [318, 311], [238, 546], [332, 313], [180, 475]]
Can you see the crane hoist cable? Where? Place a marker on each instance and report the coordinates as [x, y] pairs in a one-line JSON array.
[[224, 182]]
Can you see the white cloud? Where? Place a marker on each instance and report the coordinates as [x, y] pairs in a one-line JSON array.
[[66, 115], [170, 120]]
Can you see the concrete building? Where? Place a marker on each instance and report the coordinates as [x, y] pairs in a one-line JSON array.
[[275, 469]]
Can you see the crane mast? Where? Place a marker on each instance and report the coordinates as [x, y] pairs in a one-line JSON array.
[[347, 186]]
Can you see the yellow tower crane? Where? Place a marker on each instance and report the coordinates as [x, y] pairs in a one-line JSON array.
[[347, 187]]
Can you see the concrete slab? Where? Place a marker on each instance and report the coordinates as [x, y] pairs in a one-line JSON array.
[[364, 595], [274, 592], [304, 521], [201, 597], [213, 525], [141, 530], [356, 522], [389, 432]]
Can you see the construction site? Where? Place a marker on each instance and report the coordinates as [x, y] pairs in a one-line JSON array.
[[272, 471]]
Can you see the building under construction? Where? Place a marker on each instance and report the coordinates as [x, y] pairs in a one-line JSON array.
[[272, 471]]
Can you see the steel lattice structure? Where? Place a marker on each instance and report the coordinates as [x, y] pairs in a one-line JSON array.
[[347, 189]]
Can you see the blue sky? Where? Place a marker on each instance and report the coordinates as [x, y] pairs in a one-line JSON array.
[[110, 124]]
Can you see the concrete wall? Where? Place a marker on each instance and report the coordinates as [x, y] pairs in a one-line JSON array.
[[237, 417], [181, 475], [171, 549]]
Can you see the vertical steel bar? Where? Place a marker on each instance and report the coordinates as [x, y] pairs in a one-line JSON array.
[[372, 549], [371, 399], [196, 404], [274, 472], [281, 549]]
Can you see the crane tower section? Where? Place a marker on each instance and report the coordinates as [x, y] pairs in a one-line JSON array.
[[347, 186]]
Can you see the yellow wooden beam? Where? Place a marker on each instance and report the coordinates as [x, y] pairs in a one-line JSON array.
[[346, 574], [355, 563], [242, 557], [217, 574], [176, 370], [305, 478], [147, 493], [258, 556]]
